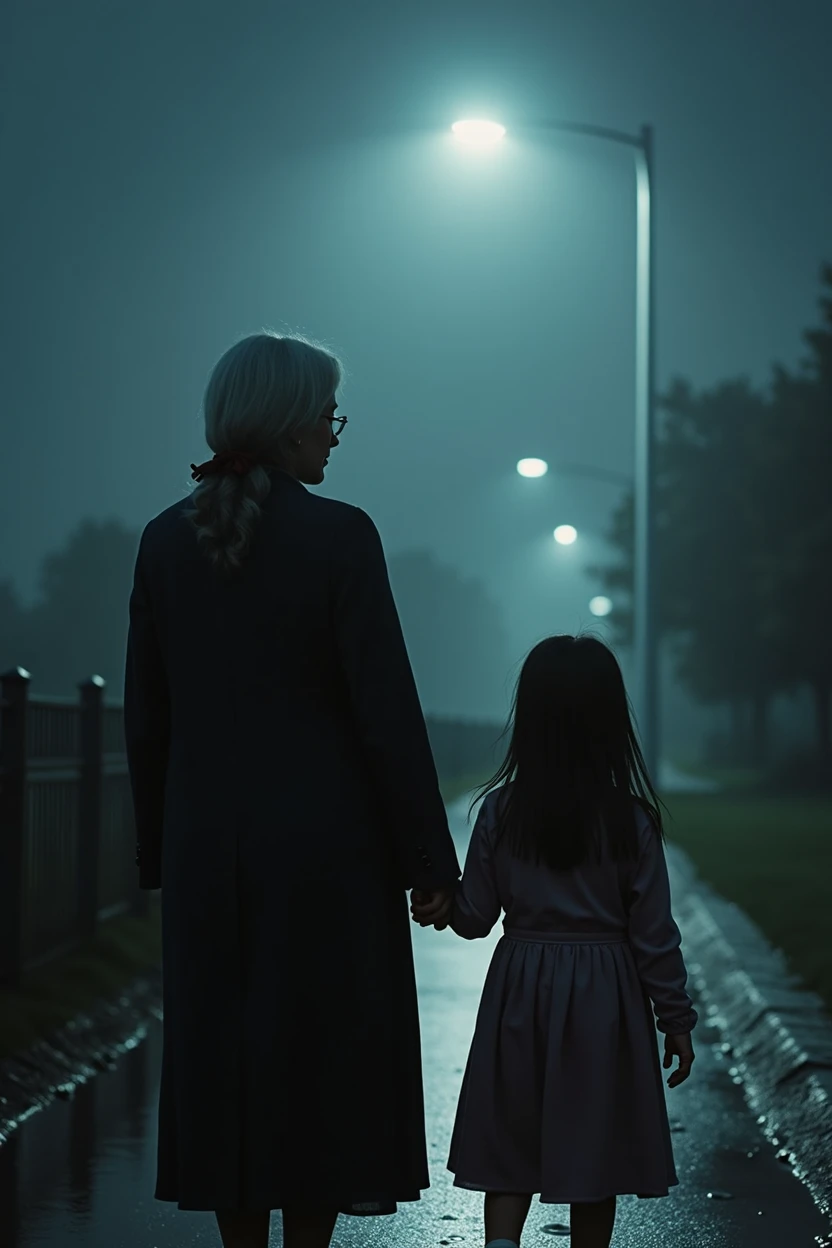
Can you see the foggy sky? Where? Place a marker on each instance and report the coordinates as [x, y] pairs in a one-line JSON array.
[[178, 173]]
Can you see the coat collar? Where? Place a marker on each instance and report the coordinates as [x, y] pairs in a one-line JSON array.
[[279, 477]]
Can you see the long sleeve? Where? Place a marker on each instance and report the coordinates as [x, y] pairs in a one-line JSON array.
[[656, 940], [386, 707], [147, 731], [477, 903]]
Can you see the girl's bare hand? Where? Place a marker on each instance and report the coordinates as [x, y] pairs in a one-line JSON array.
[[679, 1046]]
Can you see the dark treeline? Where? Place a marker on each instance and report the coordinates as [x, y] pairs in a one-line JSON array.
[[744, 544], [78, 625]]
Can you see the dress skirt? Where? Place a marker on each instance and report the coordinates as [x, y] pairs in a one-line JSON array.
[[563, 1092]]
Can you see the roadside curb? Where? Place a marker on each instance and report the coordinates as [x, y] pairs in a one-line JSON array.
[[776, 1034], [82, 1048]]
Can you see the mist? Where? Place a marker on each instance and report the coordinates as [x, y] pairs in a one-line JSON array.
[[178, 175]]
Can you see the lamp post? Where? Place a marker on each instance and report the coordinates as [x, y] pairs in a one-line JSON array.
[[644, 605]]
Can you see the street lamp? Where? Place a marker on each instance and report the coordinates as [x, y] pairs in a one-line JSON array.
[[600, 605], [478, 133], [565, 534], [532, 467], [644, 611]]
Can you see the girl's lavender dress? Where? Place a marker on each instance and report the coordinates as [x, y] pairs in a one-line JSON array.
[[563, 1094]]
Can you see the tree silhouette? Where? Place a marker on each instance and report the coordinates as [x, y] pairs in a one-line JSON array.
[[79, 626], [15, 639], [744, 535], [453, 630], [455, 637], [800, 546]]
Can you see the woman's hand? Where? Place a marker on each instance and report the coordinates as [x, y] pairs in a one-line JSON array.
[[432, 909]]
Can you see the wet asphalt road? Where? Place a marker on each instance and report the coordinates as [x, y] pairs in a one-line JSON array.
[[80, 1174]]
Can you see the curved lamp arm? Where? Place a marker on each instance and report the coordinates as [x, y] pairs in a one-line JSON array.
[[599, 474], [595, 132]]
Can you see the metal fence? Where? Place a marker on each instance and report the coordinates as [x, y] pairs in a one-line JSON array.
[[67, 836]]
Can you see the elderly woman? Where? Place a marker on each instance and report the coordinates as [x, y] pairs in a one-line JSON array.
[[285, 798]]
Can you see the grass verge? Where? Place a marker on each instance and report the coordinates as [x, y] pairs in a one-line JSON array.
[[773, 857], [53, 994]]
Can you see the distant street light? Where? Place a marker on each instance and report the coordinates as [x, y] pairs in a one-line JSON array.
[[484, 133], [600, 605], [565, 535], [478, 133], [532, 467]]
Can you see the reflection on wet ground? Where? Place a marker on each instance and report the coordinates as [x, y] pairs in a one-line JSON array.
[[67, 1167], [80, 1174]]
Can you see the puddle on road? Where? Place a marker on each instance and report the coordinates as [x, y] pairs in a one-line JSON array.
[[84, 1166], [65, 1172]]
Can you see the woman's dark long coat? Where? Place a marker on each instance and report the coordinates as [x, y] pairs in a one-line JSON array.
[[285, 798]]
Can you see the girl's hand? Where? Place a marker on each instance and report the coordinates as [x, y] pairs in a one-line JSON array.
[[678, 1046], [432, 909]]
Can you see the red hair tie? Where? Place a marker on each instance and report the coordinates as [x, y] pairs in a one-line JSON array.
[[237, 462]]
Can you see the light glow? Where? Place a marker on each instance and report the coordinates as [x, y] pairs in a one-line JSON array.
[[532, 467], [600, 605], [478, 133], [565, 535]]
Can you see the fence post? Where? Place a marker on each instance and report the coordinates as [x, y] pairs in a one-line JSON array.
[[89, 804], [14, 697]]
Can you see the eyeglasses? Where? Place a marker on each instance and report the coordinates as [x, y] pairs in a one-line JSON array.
[[337, 423]]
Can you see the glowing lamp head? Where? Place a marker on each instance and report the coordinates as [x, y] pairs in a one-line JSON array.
[[600, 605], [565, 535], [478, 133], [532, 467]]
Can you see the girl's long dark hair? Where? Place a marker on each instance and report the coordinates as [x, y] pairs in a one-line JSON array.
[[573, 771]]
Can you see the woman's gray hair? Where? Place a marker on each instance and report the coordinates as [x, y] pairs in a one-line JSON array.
[[262, 390]]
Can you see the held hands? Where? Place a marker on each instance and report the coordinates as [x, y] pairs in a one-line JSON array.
[[432, 909], [681, 1047]]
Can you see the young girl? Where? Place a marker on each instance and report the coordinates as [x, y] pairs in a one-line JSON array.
[[562, 1094]]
